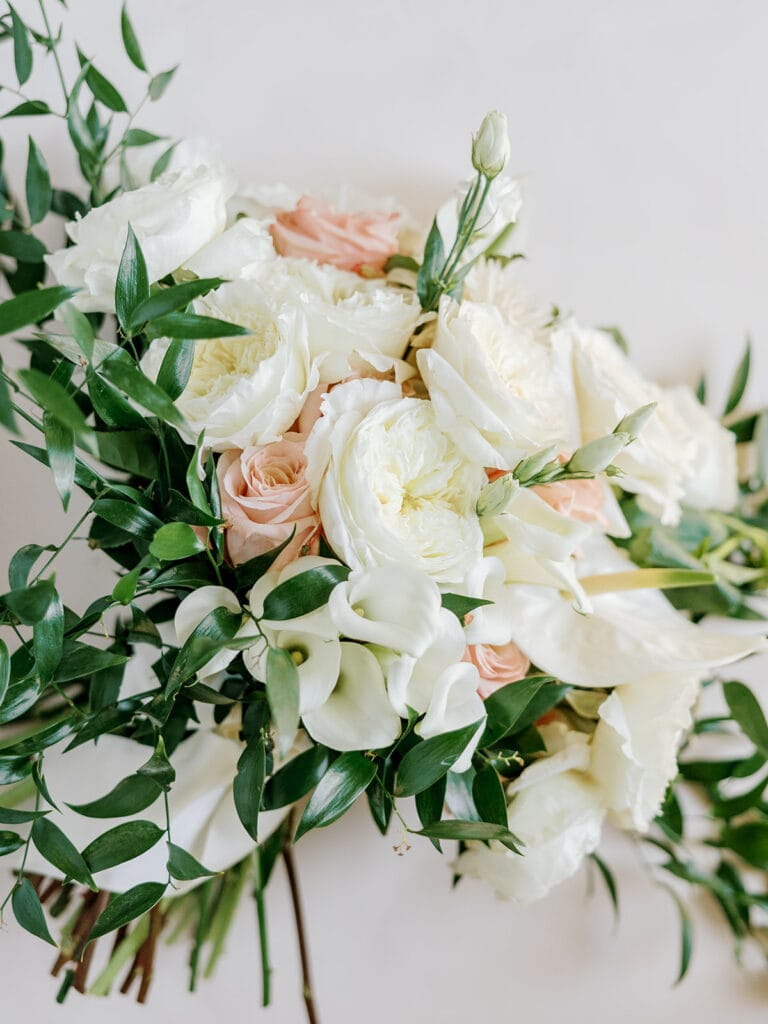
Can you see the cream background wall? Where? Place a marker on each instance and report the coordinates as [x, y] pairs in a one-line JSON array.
[[640, 134]]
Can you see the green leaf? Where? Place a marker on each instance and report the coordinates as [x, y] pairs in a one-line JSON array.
[[610, 882], [462, 606], [28, 911], [161, 164], [158, 768], [9, 842], [38, 184], [295, 779], [746, 711], [22, 48], [430, 803], [342, 784], [60, 445], [29, 108], [21, 246], [103, 90], [5, 672], [140, 137], [7, 415], [400, 262], [249, 784], [427, 286], [735, 805], [129, 450], [132, 285], [183, 867], [739, 382], [505, 707], [48, 639], [124, 374], [31, 307], [686, 934], [30, 604], [159, 83], [127, 516], [127, 906], [483, 831], [190, 325], [488, 796], [54, 399], [121, 843], [749, 841], [40, 784], [176, 367], [170, 300], [130, 42], [174, 541], [12, 816], [247, 573], [58, 850], [430, 759], [283, 695], [670, 817], [303, 593], [129, 796]]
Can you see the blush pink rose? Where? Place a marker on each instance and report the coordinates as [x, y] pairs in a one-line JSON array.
[[577, 499], [497, 666], [264, 496], [349, 241]]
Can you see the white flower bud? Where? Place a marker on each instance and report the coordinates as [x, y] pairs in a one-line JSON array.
[[490, 147], [596, 456], [634, 422], [495, 496]]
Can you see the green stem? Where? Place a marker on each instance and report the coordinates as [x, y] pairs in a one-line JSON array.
[[261, 914], [55, 53], [20, 874], [64, 543]]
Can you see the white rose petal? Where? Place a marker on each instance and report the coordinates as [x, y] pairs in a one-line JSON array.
[[560, 821], [635, 745], [172, 218], [239, 252], [713, 485], [661, 460]]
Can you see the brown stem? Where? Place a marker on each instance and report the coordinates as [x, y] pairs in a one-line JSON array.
[[293, 883]]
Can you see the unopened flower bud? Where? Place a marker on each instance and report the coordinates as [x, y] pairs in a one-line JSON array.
[[490, 147], [495, 496], [634, 422], [596, 456]]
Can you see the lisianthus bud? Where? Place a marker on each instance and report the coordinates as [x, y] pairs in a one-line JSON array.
[[490, 147], [596, 456]]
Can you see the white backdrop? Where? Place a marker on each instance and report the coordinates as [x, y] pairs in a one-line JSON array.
[[640, 133]]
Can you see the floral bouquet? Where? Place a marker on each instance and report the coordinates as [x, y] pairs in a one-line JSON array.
[[384, 527]]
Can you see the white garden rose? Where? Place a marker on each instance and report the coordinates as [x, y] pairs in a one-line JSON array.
[[345, 314], [660, 462], [635, 745], [560, 820], [495, 283], [501, 391], [391, 486], [245, 390], [172, 218], [713, 484]]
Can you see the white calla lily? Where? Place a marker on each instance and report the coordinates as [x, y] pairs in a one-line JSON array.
[[392, 606], [194, 608], [317, 659], [357, 715], [317, 622], [411, 681], [627, 636], [455, 703]]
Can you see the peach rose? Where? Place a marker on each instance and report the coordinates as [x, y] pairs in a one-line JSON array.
[[497, 666], [264, 495], [349, 241], [577, 499]]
